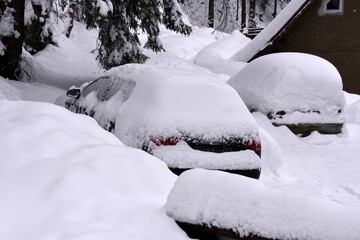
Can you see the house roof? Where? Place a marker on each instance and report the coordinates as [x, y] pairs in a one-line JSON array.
[[274, 30]]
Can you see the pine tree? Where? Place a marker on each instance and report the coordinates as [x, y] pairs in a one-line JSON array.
[[11, 36], [172, 17], [119, 43], [38, 30]]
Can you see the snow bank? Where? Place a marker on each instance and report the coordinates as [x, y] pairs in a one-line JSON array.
[[262, 40], [245, 205], [292, 82], [15, 90], [353, 112], [182, 46], [63, 177], [8, 91], [216, 55], [70, 62], [271, 155]]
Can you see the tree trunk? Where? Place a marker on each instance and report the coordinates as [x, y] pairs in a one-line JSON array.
[[72, 13], [275, 9], [243, 14], [211, 14], [252, 14], [13, 44]]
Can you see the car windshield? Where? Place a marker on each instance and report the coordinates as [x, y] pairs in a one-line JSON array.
[[106, 88]]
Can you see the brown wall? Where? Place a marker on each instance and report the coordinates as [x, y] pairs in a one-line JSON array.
[[333, 37]]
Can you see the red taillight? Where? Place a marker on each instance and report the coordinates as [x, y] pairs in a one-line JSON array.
[[255, 146], [165, 142]]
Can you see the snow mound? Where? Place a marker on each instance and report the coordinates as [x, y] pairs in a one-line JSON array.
[[216, 55], [291, 82], [63, 177], [8, 91], [353, 112], [245, 205], [70, 62], [15, 90], [271, 155]]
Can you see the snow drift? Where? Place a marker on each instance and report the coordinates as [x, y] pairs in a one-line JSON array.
[[63, 177], [244, 205]]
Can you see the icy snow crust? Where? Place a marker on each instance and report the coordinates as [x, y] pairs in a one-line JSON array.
[[292, 82], [244, 205], [64, 177], [183, 156]]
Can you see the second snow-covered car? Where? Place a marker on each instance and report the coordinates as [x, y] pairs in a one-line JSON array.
[[188, 120]]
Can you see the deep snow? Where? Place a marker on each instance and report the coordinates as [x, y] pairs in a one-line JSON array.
[[306, 87], [63, 177]]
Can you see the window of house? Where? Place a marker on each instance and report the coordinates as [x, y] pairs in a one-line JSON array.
[[334, 6]]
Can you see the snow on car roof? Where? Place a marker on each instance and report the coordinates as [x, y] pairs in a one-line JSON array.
[[290, 82], [170, 102]]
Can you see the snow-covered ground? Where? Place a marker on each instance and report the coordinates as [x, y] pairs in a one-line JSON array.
[[63, 177]]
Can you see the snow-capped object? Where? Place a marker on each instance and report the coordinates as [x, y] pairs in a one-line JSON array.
[[216, 55], [263, 39], [292, 83], [146, 105], [246, 206], [183, 156], [62, 171], [175, 102]]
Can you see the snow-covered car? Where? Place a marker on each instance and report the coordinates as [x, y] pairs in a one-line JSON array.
[[302, 91], [188, 120]]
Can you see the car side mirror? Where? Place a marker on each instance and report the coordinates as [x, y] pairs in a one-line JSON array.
[[73, 93]]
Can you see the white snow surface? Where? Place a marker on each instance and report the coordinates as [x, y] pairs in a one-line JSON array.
[[292, 82], [70, 62], [174, 102], [245, 205], [63, 177], [33, 91], [65, 194], [215, 56], [183, 156], [263, 39]]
